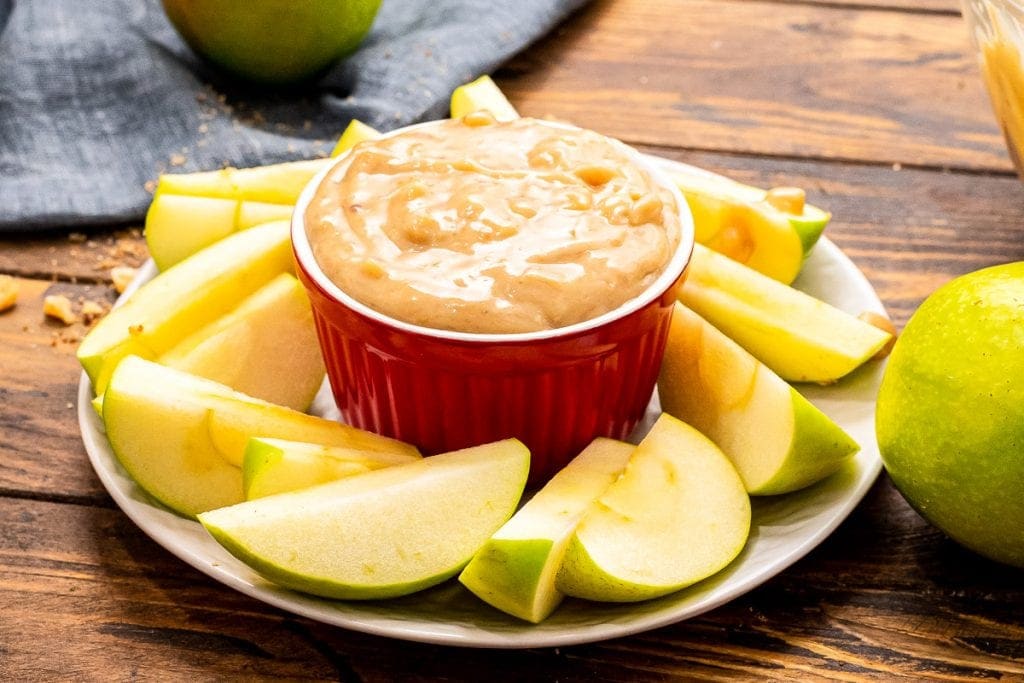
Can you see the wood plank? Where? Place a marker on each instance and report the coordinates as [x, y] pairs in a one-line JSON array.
[[812, 81], [86, 596]]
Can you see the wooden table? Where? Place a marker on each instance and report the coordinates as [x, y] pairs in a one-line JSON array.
[[875, 107]]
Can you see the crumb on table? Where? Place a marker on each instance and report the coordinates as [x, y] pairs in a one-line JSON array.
[[122, 277], [8, 292], [59, 306]]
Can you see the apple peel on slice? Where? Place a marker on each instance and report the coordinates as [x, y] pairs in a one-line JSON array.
[[382, 534]]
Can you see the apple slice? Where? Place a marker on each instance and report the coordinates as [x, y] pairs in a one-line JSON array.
[[178, 226], [515, 570], [482, 95], [272, 184], [386, 533], [799, 337], [186, 297], [354, 133], [778, 441], [806, 219], [754, 233], [182, 438], [266, 347], [251, 214], [273, 466], [678, 514]]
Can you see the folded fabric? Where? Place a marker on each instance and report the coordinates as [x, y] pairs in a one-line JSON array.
[[98, 98]]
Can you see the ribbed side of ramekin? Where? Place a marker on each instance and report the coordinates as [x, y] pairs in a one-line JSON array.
[[555, 395]]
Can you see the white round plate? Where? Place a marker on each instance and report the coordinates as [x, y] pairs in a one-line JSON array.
[[784, 528]]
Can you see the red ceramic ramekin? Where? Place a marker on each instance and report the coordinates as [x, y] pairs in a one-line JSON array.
[[555, 390]]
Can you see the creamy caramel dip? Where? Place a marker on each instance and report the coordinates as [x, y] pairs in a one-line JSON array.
[[477, 226]]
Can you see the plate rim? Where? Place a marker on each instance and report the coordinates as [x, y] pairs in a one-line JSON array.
[[519, 635]]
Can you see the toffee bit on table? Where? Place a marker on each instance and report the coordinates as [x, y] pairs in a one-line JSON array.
[[92, 311], [122, 277], [178, 160], [58, 306], [8, 292]]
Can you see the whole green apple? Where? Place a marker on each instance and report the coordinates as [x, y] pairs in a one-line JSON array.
[[950, 413], [272, 41]]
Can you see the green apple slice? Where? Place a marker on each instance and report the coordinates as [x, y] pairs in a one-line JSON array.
[[799, 337], [273, 466], [777, 439], [185, 298], [515, 570], [382, 534], [752, 232], [266, 347], [182, 438], [354, 133], [807, 220], [678, 514], [272, 184], [251, 214], [178, 226], [482, 95]]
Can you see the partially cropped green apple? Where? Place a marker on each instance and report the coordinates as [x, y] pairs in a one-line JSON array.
[[950, 412], [382, 534], [801, 338], [266, 347], [777, 439], [186, 298], [515, 570], [273, 466], [182, 438], [678, 514], [272, 41]]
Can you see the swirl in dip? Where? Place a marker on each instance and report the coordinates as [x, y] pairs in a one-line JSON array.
[[477, 226]]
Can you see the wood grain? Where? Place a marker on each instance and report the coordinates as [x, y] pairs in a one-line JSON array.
[[887, 596], [813, 81]]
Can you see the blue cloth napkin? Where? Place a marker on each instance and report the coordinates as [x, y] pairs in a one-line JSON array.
[[99, 97]]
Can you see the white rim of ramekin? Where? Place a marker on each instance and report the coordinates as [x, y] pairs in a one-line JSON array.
[[672, 271]]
